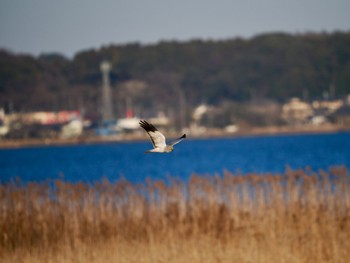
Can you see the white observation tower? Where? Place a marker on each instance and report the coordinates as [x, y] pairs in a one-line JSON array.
[[107, 112]]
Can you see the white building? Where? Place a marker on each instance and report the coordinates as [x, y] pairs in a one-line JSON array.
[[296, 111]]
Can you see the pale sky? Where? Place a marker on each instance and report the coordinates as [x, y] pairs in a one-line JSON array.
[[70, 26]]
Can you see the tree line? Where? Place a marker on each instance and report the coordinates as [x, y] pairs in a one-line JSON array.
[[169, 74]]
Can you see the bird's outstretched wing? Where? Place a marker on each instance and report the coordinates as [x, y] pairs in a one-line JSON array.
[[178, 140], [157, 138]]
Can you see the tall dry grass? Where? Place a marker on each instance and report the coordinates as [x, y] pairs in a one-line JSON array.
[[298, 216]]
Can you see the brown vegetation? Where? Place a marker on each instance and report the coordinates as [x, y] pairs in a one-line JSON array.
[[300, 216]]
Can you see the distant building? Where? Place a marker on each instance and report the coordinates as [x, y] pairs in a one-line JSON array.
[[327, 107], [160, 120], [200, 111], [296, 111], [342, 116], [72, 129], [4, 129], [44, 117], [128, 124], [44, 124]]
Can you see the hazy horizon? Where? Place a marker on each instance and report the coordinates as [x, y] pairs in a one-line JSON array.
[[67, 27]]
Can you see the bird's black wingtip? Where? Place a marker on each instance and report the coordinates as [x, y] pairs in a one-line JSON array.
[[183, 136], [147, 126]]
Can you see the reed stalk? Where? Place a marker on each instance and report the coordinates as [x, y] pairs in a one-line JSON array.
[[298, 216]]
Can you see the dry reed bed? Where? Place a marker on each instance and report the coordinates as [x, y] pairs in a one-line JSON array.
[[299, 216]]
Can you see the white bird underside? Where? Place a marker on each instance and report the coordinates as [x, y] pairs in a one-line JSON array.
[[158, 139]]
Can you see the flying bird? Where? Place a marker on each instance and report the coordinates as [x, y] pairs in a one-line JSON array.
[[158, 139]]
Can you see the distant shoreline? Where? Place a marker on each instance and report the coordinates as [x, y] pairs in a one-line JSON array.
[[215, 133]]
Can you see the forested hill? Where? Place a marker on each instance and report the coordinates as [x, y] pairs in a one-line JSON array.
[[274, 66]]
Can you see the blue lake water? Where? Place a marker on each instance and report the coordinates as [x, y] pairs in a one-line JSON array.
[[91, 163]]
